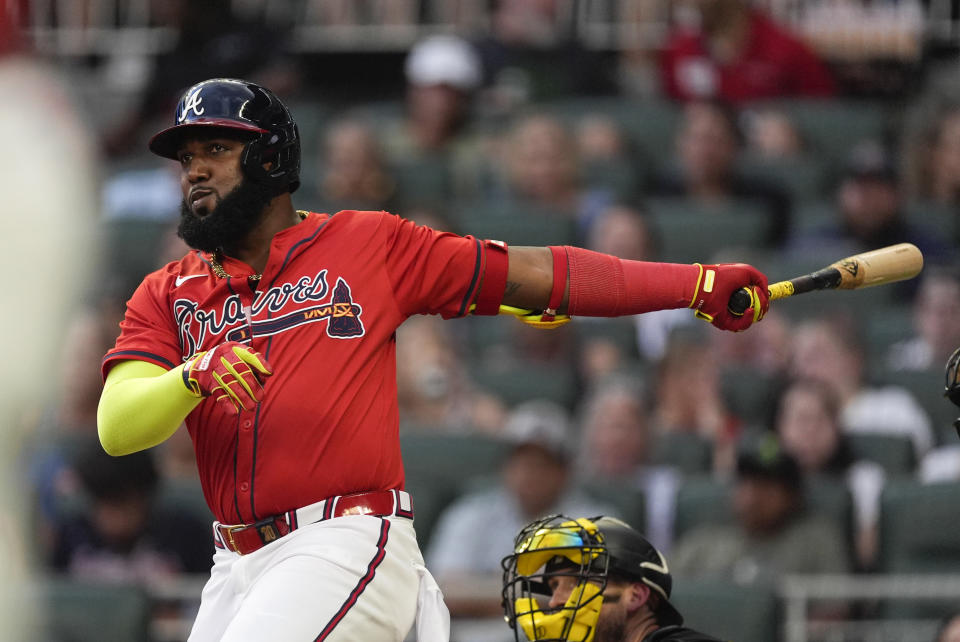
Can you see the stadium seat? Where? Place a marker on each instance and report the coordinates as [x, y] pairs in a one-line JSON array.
[[831, 128], [701, 500], [803, 178], [927, 386], [689, 232], [895, 453], [690, 453], [704, 500], [515, 224], [629, 502], [918, 534], [184, 495], [81, 611], [918, 527], [439, 467], [727, 610], [516, 384], [651, 124]]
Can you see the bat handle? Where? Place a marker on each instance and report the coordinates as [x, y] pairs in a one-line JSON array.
[[739, 302]]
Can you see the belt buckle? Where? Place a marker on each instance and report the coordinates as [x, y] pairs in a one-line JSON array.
[[230, 530]]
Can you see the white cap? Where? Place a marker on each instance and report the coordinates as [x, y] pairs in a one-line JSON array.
[[444, 60], [540, 423]]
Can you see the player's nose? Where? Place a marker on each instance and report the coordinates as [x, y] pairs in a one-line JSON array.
[[559, 597], [197, 170]]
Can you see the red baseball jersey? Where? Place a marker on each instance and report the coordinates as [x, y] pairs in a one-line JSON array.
[[774, 64], [324, 314]]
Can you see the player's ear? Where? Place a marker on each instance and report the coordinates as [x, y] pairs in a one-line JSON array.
[[635, 595]]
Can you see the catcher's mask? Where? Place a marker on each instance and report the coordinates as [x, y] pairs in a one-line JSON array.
[[591, 551], [951, 388]]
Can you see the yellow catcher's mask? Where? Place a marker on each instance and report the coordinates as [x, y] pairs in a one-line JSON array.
[[551, 548]]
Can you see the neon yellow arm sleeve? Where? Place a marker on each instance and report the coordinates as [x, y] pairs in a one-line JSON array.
[[141, 406]]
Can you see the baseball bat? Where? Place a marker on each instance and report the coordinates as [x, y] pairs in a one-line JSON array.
[[876, 267]]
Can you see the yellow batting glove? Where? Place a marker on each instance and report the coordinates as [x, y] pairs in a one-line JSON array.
[[230, 372]]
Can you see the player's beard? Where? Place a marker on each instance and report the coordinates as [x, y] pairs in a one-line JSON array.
[[611, 626], [233, 218]]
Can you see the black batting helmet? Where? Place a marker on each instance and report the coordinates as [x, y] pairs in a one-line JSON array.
[[241, 106]]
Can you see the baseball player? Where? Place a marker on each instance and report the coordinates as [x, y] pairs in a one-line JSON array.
[[951, 388], [274, 342], [583, 580]]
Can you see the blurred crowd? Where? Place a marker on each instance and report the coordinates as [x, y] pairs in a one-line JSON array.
[[746, 456]]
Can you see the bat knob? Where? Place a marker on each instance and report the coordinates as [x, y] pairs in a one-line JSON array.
[[739, 302]]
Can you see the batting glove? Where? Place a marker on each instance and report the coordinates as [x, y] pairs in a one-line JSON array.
[[230, 372], [714, 288]]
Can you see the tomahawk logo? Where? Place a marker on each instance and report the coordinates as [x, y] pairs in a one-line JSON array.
[[276, 310], [192, 103]]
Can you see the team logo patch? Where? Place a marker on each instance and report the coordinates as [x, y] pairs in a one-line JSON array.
[[192, 103], [273, 311]]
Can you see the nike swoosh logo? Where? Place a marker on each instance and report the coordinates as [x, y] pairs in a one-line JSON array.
[[182, 279]]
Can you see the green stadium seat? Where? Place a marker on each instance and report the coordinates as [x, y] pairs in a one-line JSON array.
[[630, 502], [727, 610], [937, 217], [516, 225], [918, 534], [701, 500], [651, 124], [704, 500], [690, 232], [186, 495], [927, 386], [691, 454], [895, 453], [440, 466], [450, 456], [832, 127], [803, 178], [919, 524], [82, 611], [516, 384]]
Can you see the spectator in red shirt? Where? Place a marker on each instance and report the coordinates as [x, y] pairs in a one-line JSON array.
[[739, 54]]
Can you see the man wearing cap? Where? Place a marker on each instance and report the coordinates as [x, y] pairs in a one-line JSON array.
[[598, 580], [472, 534], [871, 213], [430, 146], [772, 534]]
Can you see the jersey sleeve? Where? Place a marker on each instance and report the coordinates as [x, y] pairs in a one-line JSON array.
[[431, 272], [147, 332]]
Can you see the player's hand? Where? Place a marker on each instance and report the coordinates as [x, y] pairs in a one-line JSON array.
[[714, 288], [230, 372]]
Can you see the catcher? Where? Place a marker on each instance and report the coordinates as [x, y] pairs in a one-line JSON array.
[[590, 580]]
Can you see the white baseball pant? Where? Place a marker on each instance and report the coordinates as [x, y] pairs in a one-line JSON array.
[[350, 578]]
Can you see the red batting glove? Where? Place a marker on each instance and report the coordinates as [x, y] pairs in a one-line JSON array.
[[714, 288], [230, 372]]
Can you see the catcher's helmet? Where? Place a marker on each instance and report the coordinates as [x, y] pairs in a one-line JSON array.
[[244, 107], [592, 550], [951, 386]]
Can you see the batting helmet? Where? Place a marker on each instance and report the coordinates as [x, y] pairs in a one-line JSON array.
[[244, 107], [592, 550]]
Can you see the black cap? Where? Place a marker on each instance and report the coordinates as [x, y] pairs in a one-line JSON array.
[[633, 557], [766, 459], [870, 160]]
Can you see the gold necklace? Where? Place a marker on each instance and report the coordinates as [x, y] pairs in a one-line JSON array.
[[221, 273]]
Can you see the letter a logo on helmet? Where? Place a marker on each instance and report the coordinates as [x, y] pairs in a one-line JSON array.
[[192, 102], [242, 110]]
